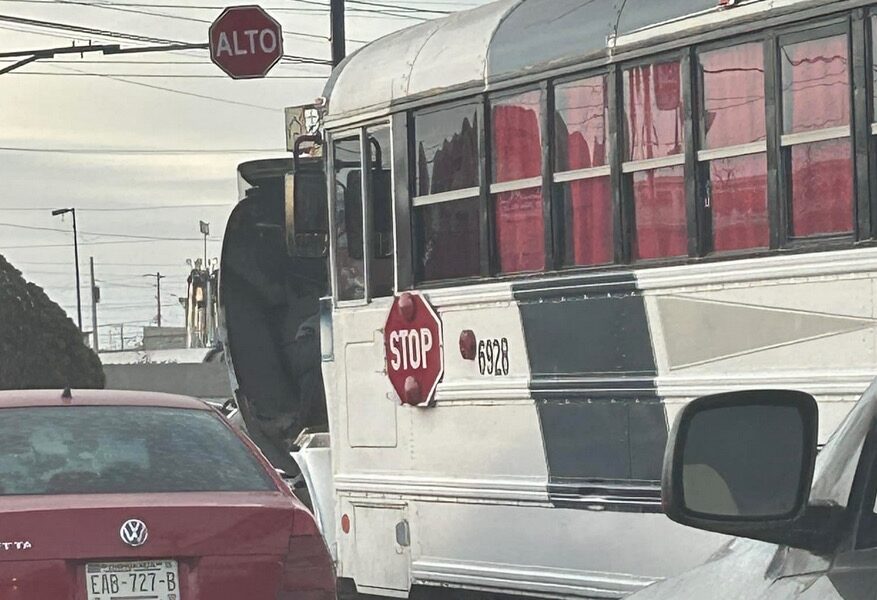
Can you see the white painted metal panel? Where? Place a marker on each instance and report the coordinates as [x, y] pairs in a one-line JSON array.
[[374, 557], [371, 402], [555, 552]]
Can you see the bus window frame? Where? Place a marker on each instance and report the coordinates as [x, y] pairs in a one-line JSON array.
[[703, 157], [556, 178], [546, 103], [361, 131], [783, 143], [368, 199], [864, 54], [626, 169], [854, 22], [480, 191]]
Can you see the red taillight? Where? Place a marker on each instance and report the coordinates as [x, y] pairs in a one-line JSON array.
[[308, 572]]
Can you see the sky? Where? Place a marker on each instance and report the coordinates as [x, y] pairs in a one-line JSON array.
[[145, 146]]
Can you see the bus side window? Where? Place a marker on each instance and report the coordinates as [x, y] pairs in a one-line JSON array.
[[353, 213], [347, 207], [381, 268]]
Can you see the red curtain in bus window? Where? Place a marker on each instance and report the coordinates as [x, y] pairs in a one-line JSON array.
[[517, 137], [739, 203], [659, 204], [733, 90], [519, 230], [517, 154], [822, 188], [589, 218], [816, 85], [652, 95], [581, 143]]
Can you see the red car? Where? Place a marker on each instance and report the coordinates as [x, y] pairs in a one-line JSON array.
[[120, 495]]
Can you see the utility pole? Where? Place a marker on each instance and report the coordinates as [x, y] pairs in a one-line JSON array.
[[158, 297], [158, 278], [95, 298], [337, 34], [64, 211]]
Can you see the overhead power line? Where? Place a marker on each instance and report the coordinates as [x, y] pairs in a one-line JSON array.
[[142, 151], [128, 236], [119, 208], [134, 37], [159, 76]]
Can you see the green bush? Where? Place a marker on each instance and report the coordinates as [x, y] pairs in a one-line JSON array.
[[40, 347]]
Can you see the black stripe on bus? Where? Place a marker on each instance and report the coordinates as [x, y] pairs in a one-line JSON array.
[[593, 376]]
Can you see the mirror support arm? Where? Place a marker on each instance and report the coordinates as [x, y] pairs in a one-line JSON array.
[[817, 530]]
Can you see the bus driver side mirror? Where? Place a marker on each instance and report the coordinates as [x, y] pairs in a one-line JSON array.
[[306, 208], [741, 463]]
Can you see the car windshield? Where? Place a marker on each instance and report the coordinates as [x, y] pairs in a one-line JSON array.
[[122, 449]]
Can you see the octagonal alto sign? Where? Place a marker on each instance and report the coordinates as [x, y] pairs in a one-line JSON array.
[[245, 42], [413, 343]]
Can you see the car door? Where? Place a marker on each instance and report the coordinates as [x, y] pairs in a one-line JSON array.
[[851, 573]]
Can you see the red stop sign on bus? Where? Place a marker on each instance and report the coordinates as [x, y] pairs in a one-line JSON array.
[[245, 42], [413, 342]]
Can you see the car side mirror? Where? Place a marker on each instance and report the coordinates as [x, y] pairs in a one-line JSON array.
[[741, 463]]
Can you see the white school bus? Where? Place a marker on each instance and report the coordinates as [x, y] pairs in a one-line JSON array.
[[609, 208]]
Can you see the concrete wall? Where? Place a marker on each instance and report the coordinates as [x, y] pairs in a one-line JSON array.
[[208, 381], [161, 338]]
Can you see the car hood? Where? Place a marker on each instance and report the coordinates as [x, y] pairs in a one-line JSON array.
[[741, 569]]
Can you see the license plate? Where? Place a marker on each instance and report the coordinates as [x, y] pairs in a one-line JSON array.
[[143, 580]]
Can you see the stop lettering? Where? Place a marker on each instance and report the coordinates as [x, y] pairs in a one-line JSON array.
[[410, 349], [413, 343]]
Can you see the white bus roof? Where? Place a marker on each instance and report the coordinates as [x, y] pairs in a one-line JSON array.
[[474, 50]]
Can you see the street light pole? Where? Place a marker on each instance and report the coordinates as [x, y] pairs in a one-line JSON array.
[[204, 227], [64, 211]]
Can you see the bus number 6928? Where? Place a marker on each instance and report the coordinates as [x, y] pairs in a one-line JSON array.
[[493, 357]]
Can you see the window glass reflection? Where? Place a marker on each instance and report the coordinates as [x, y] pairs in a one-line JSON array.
[[449, 243], [659, 204], [349, 263], [822, 188], [816, 86], [743, 461], [381, 189], [581, 114], [447, 150], [587, 206], [653, 111], [733, 96], [738, 199]]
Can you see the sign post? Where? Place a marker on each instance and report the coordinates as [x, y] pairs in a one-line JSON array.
[[413, 343], [245, 42]]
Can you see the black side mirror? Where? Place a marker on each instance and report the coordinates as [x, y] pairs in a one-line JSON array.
[[741, 463], [306, 209]]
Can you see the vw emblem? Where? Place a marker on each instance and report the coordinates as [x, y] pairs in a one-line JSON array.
[[134, 532]]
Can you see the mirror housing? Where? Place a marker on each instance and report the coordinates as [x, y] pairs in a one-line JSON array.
[[306, 205], [741, 463]]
